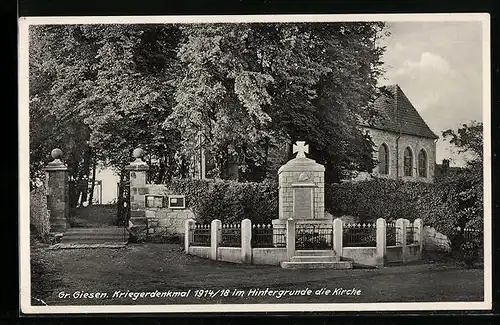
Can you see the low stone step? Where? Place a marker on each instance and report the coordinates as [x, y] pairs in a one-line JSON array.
[[110, 230], [95, 235], [315, 259], [100, 238], [343, 265], [91, 246], [314, 253], [93, 240], [86, 235]]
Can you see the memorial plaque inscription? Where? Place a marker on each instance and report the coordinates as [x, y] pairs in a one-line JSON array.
[[302, 204]]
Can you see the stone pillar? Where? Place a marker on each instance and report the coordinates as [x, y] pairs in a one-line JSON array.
[[138, 189], [401, 236], [57, 187], [338, 230], [215, 237], [188, 234], [246, 241], [418, 235], [290, 238], [381, 242]]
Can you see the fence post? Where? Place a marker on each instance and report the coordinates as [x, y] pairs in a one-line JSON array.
[[381, 241], [246, 241], [290, 238], [215, 237], [338, 229], [418, 227], [57, 187], [401, 236], [188, 234]]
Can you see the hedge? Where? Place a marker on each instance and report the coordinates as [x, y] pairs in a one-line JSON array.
[[377, 198], [446, 205], [228, 201], [232, 201]]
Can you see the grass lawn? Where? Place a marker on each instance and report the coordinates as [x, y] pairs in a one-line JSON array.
[[163, 267]]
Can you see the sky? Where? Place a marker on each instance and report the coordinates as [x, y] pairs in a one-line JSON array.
[[438, 65]]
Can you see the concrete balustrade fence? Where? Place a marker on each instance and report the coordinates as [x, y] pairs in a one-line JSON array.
[[373, 239]]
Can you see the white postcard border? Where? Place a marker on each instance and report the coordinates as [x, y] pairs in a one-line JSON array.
[[23, 138]]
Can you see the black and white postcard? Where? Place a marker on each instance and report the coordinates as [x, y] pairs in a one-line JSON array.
[[259, 163]]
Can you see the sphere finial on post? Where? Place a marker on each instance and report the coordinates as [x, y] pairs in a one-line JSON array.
[[138, 163], [138, 153], [56, 163], [56, 153]]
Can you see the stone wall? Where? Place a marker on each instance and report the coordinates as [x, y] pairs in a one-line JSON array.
[[170, 221], [39, 214], [158, 221], [415, 143]]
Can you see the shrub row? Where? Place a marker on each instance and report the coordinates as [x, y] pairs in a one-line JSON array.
[[228, 201], [441, 205], [231, 201], [377, 198]]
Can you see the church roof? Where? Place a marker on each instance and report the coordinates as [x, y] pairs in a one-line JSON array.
[[397, 114]]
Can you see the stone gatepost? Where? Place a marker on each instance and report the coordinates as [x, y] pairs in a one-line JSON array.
[[381, 242], [246, 241], [57, 187], [138, 189], [301, 191]]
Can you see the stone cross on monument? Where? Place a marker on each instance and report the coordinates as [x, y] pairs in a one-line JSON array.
[[301, 148]]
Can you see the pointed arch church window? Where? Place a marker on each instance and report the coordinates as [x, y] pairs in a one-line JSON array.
[[408, 162]]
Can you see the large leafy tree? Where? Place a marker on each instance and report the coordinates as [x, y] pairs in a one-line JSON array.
[[53, 121], [98, 91], [238, 90], [248, 88]]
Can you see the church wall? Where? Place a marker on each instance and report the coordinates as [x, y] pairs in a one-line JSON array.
[[415, 143]]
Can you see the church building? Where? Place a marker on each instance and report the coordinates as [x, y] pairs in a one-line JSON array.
[[405, 146]]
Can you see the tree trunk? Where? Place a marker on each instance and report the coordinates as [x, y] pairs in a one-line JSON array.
[[120, 208], [232, 167], [91, 194], [289, 150], [161, 171], [87, 156], [266, 159]]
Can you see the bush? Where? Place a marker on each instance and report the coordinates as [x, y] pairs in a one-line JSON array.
[[228, 201], [472, 252], [377, 198]]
